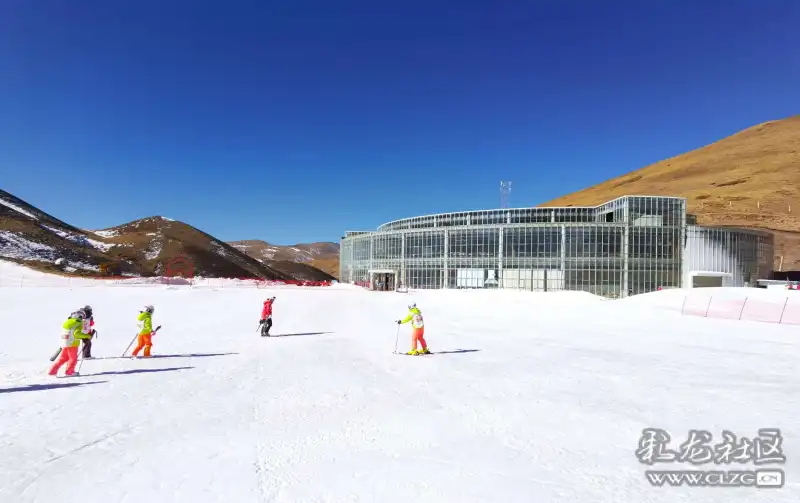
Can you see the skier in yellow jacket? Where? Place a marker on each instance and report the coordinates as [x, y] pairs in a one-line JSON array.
[[70, 340], [145, 320], [418, 330]]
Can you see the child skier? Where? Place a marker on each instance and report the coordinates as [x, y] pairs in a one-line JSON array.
[[266, 317], [71, 338], [145, 322], [88, 323], [418, 330]]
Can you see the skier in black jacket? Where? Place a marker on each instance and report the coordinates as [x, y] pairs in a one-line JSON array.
[[88, 323]]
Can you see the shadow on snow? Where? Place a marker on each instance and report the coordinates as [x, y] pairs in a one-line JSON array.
[[187, 355], [455, 351], [137, 371], [298, 334], [40, 387]]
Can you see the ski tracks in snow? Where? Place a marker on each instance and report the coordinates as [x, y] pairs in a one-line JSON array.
[[42, 469], [309, 413]]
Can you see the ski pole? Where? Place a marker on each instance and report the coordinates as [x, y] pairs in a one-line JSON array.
[[396, 338], [55, 355], [131, 344], [80, 358], [137, 335]]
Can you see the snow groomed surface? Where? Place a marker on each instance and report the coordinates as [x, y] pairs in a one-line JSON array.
[[531, 397]]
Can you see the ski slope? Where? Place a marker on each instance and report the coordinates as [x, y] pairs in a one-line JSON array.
[[533, 397]]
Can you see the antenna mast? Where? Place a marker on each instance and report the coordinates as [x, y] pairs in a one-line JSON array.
[[505, 190]]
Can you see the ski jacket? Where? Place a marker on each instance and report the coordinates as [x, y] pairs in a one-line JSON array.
[[267, 310], [415, 317], [87, 325], [73, 333], [145, 320]]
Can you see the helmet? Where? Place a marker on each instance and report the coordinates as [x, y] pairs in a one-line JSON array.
[[88, 310], [412, 305], [80, 314], [149, 309]]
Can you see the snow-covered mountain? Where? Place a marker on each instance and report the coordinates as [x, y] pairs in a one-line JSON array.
[[149, 246]]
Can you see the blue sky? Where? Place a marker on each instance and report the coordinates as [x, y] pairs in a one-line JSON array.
[[295, 121]]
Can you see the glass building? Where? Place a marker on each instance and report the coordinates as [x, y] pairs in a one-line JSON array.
[[631, 245]]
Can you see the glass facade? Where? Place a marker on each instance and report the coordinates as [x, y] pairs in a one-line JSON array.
[[726, 257], [631, 245]]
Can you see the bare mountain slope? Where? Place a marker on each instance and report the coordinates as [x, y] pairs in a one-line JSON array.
[[29, 235], [330, 265], [322, 255], [147, 246], [750, 179], [157, 242]]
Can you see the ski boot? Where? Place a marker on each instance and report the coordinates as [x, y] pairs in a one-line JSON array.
[[413, 352], [424, 351]]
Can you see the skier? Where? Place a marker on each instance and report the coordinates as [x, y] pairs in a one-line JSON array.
[[266, 317], [418, 330], [145, 322], [88, 323], [71, 338]]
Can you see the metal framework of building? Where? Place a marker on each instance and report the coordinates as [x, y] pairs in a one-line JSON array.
[[627, 246]]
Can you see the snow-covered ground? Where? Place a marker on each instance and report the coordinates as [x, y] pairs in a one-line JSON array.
[[532, 397]]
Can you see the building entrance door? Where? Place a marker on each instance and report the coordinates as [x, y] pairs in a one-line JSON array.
[[383, 280]]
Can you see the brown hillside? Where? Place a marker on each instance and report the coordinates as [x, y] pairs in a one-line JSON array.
[[30, 236], [300, 270], [156, 242], [749, 180], [322, 255], [304, 252], [329, 265], [143, 247]]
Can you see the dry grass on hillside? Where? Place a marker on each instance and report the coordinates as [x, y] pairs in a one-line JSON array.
[[329, 265], [149, 246], [323, 256], [750, 179], [155, 242]]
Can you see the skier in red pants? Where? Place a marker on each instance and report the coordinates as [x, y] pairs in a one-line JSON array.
[[70, 340], [418, 333], [266, 317]]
